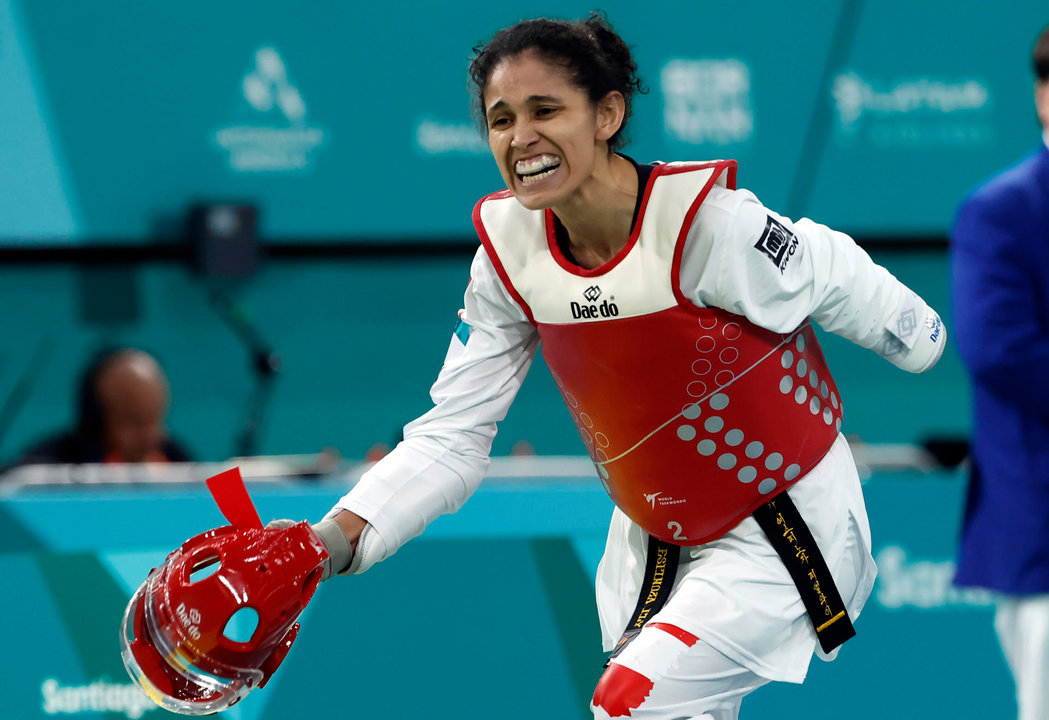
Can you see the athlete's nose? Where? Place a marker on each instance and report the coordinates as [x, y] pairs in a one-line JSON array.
[[524, 135]]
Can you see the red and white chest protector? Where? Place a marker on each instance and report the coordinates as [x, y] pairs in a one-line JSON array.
[[693, 416]]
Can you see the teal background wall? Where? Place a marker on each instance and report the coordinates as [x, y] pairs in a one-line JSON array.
[[361, 342], [872, 116]]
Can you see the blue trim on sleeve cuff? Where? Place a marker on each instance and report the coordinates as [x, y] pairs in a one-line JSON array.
[[462, 331]]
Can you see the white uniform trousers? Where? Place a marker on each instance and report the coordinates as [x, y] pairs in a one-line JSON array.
[[1022, 624]]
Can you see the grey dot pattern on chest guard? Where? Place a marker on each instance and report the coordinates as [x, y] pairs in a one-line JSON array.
[[728, 445]]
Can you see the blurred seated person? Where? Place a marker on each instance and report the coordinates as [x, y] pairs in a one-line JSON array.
[[121, 416]]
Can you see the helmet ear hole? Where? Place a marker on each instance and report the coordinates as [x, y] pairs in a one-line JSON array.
[[204, 568], [241, 625]]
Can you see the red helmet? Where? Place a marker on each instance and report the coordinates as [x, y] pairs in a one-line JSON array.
[[183, 634]]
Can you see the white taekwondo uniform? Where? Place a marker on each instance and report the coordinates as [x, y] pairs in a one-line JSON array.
[[733, 592]]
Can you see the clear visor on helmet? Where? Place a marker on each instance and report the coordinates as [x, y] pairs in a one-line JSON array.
[[168, 670]]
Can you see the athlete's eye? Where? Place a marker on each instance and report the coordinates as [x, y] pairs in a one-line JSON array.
[[498, 122]]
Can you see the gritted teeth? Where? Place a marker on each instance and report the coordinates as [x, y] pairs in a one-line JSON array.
[[536, 165]]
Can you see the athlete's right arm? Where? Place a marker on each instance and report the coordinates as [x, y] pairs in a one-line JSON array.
[[444, 454]]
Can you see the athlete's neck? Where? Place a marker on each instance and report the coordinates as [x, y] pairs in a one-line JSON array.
[[598, 218]]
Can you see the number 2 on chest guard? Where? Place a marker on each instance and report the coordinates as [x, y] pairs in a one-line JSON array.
[[676, 527]]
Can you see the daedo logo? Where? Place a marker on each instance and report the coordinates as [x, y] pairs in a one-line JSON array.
[[934, 324], [190, 620], [591, 310]]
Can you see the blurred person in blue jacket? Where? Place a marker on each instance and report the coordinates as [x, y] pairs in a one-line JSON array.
[[1000, 268]]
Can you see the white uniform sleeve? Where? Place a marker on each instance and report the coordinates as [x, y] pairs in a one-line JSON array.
[[744, 258], [444, 454]]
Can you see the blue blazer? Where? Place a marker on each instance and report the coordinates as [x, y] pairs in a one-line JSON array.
[[1000, 267]]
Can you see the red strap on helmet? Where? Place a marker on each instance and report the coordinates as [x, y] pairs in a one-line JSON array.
[[233, 500]]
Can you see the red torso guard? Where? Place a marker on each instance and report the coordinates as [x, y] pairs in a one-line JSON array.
[[693, 416]]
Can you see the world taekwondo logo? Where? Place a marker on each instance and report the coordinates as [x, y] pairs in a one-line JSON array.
[[662, 500], [276, 136]]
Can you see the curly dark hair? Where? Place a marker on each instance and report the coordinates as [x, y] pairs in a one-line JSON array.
[[596, 59]]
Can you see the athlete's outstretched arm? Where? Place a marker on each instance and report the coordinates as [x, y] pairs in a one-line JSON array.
[[747, 259], [444, 454]]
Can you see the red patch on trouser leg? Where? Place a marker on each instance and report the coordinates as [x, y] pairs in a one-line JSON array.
[[621, 690]]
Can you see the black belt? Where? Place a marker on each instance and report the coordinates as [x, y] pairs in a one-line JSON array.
[[788, 534], [660, 571]]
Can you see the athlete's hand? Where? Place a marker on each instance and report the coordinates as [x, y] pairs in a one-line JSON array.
[[332, 536]]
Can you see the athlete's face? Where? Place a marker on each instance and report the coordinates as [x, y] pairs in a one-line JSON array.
[[545, 133]]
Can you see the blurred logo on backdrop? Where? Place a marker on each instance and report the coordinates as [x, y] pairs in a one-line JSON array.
[[923, 584], [707, 101], [99, 696], [921, 112], [275, 136], [435, 136], [447, 137]]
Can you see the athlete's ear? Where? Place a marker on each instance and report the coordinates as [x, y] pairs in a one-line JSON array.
[[611, 109]]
